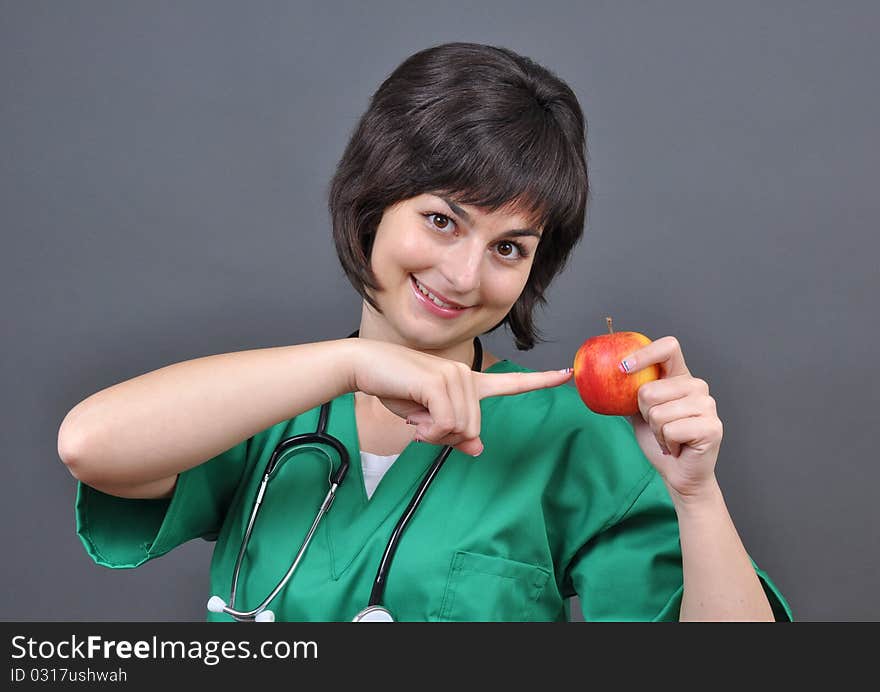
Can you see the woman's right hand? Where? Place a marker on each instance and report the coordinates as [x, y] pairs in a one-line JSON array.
[[441, 397]]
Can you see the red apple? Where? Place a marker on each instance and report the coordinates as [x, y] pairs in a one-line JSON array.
[[602, 385]]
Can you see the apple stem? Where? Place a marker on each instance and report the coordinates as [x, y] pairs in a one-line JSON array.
[[610, 328]]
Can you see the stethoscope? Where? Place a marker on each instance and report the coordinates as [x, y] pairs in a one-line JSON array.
[[374, 611]]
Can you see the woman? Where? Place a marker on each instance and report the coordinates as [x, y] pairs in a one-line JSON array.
[[458, 199]]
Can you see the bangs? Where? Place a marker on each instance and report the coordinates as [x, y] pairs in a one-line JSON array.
[[529, 169], [496, 138]]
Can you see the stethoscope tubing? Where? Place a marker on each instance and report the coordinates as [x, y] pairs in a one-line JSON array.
[[250, 614], [320, 436], [378, 590]]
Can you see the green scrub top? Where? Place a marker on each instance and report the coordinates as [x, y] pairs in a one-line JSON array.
[[562, 501]]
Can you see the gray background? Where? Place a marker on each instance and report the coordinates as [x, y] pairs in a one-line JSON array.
[[162, 186]]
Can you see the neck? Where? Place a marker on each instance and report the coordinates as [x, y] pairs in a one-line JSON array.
[[373, 326]]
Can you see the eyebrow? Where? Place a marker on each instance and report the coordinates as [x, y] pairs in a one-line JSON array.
[[517, 232]]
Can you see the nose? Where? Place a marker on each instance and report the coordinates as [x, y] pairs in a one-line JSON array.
[[462, 264]]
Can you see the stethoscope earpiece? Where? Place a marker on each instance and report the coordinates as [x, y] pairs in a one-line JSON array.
[[216, 604]]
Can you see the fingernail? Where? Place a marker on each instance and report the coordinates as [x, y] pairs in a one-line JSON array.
[[565, 371], [480, 452], [626, 365]]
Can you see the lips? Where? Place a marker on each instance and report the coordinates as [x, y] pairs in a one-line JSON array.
[[443, 298], [427, 304]]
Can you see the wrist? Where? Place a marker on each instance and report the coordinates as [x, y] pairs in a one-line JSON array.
[[707, 498], [346, 362]]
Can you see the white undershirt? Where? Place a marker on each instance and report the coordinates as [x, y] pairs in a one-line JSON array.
[[375, 467]]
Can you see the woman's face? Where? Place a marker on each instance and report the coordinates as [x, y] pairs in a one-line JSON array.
[[474, 264]]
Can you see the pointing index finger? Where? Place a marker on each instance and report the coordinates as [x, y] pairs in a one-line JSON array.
[[506, 383]]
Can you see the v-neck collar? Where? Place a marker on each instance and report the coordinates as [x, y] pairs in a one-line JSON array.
[[354, 518]]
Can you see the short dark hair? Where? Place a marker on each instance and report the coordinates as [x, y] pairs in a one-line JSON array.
[[486, 126]]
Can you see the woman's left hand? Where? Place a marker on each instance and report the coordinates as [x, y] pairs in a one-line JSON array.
[[678, 416]]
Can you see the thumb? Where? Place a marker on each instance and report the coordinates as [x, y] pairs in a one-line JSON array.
[[506, 383], [473, 447]]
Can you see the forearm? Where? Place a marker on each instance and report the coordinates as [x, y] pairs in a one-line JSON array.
[[174, 418], [720, 582]]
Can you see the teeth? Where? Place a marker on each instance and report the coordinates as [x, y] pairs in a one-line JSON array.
[[434, 298]]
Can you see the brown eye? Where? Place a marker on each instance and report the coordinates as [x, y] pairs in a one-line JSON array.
[[505, 247], [443, 224]]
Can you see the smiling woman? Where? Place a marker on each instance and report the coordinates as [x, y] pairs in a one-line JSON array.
[[468, 274], [458, 199], [465, 124]]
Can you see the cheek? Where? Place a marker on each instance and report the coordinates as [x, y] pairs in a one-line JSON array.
[[411, 254], [387, 254], [505, 289]]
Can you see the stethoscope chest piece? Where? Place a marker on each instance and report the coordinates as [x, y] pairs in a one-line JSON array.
[[374, 613]]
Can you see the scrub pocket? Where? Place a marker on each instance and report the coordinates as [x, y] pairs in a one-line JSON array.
[[484, 588]]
